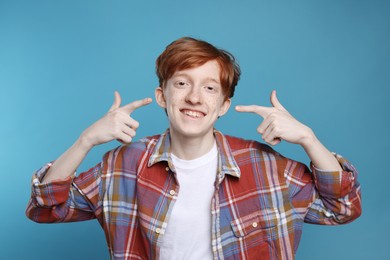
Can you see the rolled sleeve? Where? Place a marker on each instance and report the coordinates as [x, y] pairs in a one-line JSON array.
[[48, 194], [61, 200], [335, 184]]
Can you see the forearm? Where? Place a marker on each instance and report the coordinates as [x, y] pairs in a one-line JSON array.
[[116, 124], [319, 155], [69, 161]]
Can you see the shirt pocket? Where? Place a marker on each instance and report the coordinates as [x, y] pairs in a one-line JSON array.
[[261, 221]]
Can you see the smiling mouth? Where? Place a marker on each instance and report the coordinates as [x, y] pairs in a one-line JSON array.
[[192, 113]]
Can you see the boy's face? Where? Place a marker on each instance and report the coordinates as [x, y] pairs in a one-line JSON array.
[[194, 100]]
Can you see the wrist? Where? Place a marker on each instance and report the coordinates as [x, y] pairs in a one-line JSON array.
[[309, 139], [84, 142]]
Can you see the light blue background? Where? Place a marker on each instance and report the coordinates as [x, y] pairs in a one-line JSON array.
[[60, 62]]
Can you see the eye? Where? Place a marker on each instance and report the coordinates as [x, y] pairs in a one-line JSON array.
[[181, 83], [211, 89]]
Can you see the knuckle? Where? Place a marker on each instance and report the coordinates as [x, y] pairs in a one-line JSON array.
[[273, 115], [117, 126], [126, 139], [135, 124], [115, 115], [117, 132], [132, 133]]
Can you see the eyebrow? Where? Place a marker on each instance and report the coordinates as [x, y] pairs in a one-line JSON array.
[[212, 80], [208, 79]]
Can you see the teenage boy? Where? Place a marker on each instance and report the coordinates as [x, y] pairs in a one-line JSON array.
[[192, 192]]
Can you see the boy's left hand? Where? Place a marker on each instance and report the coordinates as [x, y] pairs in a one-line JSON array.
[[278, 123]]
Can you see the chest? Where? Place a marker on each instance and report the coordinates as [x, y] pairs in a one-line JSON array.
[[252, 203]]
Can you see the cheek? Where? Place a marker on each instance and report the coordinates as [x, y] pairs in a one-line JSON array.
[[211, 100], [173, 101], [217, 104]]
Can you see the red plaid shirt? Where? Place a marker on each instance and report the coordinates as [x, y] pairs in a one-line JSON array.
[[260, 203]]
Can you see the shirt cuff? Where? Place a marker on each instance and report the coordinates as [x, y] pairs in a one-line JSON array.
[[335, 184], [48, 194]]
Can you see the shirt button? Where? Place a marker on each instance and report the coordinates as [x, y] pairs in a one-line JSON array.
[[158, 230], [172, 192], [254, 224], [167, 169]]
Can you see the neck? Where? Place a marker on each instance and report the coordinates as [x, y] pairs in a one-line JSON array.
[[189, 148]]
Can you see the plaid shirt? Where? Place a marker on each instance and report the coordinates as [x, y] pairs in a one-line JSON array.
[[260, 203]]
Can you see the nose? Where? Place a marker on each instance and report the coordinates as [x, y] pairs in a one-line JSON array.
[[194, 96]]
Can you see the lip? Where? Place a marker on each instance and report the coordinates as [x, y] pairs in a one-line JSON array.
[[192, 113]]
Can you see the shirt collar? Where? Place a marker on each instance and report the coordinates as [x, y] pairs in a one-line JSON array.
[[162, 149], [227, 163]]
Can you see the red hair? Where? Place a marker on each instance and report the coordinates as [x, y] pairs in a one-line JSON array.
[[186, 53]]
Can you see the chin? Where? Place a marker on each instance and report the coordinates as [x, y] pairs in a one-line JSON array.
[[192, 132]]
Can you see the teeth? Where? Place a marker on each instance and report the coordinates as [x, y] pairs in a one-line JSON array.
[[193, 113]]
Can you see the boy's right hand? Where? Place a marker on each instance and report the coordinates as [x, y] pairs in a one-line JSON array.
[[116, 124]]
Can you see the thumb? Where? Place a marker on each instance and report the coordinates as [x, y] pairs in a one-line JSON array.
[[275, 101], [117, 101]]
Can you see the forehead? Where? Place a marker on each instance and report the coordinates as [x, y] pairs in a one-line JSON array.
[[208, 71]]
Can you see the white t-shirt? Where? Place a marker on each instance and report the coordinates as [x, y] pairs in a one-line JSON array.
[[188, 234]]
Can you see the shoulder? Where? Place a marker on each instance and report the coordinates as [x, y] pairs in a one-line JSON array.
[[249, 152], [238, 144]]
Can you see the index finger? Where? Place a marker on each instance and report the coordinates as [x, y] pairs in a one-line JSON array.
[[129, 108], [260, 110]]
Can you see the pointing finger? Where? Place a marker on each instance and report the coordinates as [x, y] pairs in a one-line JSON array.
[[260, 110], [117, 101], [275, 101], [129, 108]]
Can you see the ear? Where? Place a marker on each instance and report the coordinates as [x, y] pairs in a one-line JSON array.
[[225, 106], [160, 98]]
